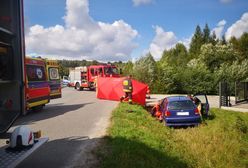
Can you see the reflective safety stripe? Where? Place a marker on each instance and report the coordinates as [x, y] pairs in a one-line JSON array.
[[125, 82], [126, 90], [127, 85], [55, 94], [30, 105]]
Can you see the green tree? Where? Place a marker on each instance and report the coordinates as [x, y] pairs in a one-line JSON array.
[[213, 56], [144, 70], [233, 72], [83, 63], [241, 46], [127, 68], [196, 43], [63, 71], [168, 80], [177, 56], [194, 78], [94, 62], [206, 34], [197, 79], [213, 38], [223, 40]]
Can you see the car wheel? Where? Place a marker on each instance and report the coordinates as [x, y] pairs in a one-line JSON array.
[[78, 87]]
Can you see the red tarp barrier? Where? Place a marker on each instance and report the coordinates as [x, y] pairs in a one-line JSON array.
[[112, 89]]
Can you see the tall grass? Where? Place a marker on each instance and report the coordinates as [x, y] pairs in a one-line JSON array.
[[138, 140]]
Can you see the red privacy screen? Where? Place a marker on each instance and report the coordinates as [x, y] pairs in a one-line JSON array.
[[111, 89]]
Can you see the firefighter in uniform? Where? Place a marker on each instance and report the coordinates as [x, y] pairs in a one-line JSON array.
[[128, 89], [156, 111]]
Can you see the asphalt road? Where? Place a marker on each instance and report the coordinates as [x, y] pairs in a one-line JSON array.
[[74, 125]]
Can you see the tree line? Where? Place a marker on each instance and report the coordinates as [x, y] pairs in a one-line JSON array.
[[198, 69]]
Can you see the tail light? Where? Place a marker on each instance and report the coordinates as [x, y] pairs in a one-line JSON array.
[[167, 113], [196, 111]]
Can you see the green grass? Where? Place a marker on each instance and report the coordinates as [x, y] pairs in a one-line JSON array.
[[138, 140]]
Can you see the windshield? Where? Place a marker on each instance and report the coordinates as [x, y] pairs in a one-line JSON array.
[[180, 105], [110, 70]]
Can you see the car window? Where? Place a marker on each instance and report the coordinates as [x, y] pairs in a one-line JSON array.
[[92, 71], [110, 70], [107, 70], [115, 70], [180, 105], [53, 73], [202, 98], [100, 71], [65, 78]]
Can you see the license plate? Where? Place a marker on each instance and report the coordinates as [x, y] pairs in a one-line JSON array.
[[183, 113]]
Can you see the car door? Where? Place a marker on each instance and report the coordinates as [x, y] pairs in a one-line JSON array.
[[205, 104], [37, 92]]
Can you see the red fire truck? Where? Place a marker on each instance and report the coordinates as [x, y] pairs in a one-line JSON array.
[[85, 77]]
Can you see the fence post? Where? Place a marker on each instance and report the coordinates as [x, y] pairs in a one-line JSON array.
[[220, 95]]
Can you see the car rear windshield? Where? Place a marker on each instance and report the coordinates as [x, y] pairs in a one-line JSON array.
[[35, 73], [180, 105], [53, 73]]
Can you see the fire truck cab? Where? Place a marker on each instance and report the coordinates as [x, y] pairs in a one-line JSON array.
[[85, 77]]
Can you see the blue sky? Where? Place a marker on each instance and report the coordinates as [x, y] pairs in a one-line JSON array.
[[155, 25]]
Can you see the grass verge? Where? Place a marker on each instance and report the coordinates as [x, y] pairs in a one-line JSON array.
[[138, 140]]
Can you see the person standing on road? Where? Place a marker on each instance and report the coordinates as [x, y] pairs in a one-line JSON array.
[[127, 89]]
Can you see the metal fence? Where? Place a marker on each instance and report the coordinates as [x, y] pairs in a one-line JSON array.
[[224, 93], [228, 89], [241, 92]]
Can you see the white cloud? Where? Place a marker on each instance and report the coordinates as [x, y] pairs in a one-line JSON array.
[[186, 41], [141, 2], [238, 28], [82, 37], [166, 40], [162, 40], [225, 1], [219, 29]]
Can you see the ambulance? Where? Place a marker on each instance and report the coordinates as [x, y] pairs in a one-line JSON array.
[[37, 88], [52, 70]]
